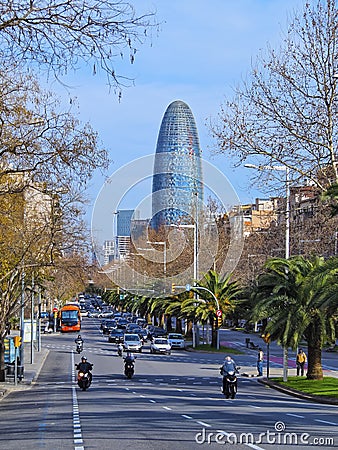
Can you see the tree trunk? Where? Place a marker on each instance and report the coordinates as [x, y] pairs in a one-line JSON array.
[[189, 328], [179, 326], [169, 325], [315, 370]]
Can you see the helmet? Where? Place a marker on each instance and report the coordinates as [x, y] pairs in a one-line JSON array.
[[83, 358]]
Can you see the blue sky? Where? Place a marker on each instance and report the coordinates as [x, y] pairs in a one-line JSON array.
[[202, 51]]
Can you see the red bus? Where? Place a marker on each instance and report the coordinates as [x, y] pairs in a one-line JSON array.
[[70, 318]]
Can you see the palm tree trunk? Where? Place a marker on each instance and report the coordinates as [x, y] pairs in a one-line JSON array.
[[179, 326], [169, 325], [315, 370]]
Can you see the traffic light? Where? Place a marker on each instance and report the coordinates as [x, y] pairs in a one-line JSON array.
[[266, 338], [173, 288], [17, 341], [219, 322]]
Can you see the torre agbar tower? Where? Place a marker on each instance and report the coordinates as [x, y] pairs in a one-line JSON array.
[[177, 179]]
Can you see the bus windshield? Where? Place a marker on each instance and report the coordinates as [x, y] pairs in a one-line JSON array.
[[65, 315]]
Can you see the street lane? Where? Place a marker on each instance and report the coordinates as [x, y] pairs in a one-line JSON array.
[[171, 402]]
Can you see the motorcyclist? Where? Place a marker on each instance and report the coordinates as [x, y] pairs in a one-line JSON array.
[[79, 340], [120, 349], [229, 365], [85, 366], [130, 358]]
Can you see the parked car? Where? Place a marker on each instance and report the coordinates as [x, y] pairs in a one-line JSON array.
[[160, 345], [132, 343], [176, 340], [116, 336]]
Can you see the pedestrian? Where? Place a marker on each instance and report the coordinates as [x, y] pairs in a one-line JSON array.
[[260, 358], [300, 362]]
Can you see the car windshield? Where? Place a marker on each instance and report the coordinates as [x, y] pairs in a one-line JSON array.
[[131, 338], [175, 336]]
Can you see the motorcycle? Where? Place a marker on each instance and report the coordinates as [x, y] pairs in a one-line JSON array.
[[230, 383], [79, 347], [120, 349], [84, 379], [129, 367]]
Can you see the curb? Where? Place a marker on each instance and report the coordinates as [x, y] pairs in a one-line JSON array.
[[42, 362], [298, 394]]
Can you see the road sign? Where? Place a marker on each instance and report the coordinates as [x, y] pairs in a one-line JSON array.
[[55, 309], [219, 313], [187, 287]]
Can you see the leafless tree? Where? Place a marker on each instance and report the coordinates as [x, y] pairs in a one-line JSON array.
[[286, 113], [60, 35]]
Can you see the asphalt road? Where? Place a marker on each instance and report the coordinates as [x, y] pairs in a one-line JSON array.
[[173, 402]]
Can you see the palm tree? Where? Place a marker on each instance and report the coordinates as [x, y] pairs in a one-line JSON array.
[[224, 290], [291, 295]]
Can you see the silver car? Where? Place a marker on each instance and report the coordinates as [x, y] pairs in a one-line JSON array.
[[176, 340], [132, 343]]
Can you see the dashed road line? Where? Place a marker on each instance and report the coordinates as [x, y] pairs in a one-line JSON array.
[[203, 424], [77, 432], [325, 421]]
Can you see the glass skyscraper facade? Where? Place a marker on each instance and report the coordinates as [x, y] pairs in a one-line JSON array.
[[177, 180]]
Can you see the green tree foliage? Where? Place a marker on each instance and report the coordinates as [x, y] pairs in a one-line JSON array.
[[293, 294]]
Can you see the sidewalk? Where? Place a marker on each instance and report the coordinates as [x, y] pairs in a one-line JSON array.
[[31, 371]]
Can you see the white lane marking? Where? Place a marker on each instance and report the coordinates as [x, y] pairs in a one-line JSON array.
[[253, 406], [77, 432], [203, 423], [152, 401], [185, 416], [167, 408], [295, 415], [325, 421]]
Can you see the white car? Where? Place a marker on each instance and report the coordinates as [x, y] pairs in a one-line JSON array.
[[176, 340], [132, 343], [160, 345]]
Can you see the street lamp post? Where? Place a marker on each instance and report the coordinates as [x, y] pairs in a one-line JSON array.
[[202, 288], [285, 169]]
